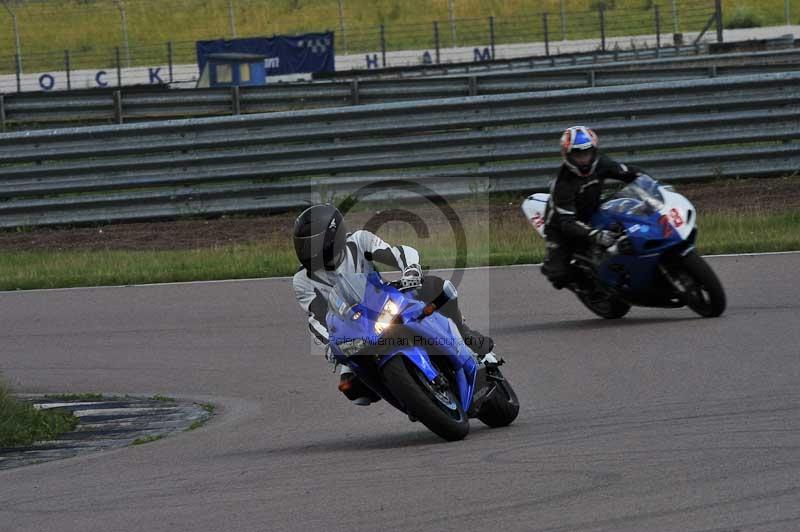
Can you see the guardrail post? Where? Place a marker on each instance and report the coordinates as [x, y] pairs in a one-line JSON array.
[[383, 45], [169, 59], [2, 112], [355, 97], [236, 102], [658, 29], [473, 86], [546, 35], [436, 41], [491, 34], [18, 69], [602, 12], [712, 71], [718, 13], [592, 79], [117, 95], [67, 69], [119, 67]]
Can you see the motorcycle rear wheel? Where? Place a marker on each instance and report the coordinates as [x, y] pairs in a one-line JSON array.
[[609, 307], [502, 408], [439, 410]]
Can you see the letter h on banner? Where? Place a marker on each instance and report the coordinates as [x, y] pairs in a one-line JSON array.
[[372, 62]]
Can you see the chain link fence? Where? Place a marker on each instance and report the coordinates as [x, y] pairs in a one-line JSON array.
[[105, 37]]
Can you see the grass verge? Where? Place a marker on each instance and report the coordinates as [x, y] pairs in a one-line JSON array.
[[21, 424], [163, 398], [506, 241], [146, 439], [208, 407], [75, 397]]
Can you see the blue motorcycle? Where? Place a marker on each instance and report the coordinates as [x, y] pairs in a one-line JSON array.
[[414, 357], [653, 264]]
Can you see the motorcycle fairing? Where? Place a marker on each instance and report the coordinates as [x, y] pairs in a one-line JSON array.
[[434, 335], [439, 337], [535, 208]]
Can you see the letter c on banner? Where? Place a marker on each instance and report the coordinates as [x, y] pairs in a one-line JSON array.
[[47, 82], [100, 82]]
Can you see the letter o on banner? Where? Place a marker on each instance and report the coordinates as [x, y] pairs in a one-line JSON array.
[[100, 82], [47, 82]]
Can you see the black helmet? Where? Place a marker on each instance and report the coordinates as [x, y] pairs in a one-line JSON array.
[[319, 237]]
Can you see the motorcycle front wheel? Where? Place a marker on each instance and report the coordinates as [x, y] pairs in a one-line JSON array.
[[436, 407], [705, 294]]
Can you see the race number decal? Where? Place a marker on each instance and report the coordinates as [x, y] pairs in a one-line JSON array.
[[537, 220], [676, 218], [665, 226]]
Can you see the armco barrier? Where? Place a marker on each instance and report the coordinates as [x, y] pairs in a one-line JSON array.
[[737, 126], [30, 110]]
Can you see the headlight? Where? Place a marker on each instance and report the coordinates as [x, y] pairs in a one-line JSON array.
[[386, 316]]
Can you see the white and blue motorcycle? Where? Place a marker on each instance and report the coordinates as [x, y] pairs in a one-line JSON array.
[[653, 264]]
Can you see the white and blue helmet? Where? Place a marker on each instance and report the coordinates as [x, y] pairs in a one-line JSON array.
[[579, 149]]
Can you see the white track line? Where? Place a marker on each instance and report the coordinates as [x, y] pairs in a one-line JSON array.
[[220, 281]]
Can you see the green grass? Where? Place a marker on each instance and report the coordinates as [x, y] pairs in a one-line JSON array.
[[743, 17], [208, 407], [749, 232], [55, 269], [163, 398], [146, 439], [75, 397], [91, 30], [507, 241], [21, 424]]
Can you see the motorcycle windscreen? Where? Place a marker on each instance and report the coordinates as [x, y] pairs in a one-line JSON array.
[[630, 206], [644, 191], [348, 292]]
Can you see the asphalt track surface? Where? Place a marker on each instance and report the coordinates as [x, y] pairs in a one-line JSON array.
[[661, 421]]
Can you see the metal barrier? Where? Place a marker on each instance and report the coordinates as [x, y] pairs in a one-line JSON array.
[[133, 105], [739, 126]]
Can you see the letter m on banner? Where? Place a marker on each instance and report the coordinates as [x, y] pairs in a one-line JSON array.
[[486, 55]]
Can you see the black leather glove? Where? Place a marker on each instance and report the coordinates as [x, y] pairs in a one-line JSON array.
[[603, 238], [629, 175]]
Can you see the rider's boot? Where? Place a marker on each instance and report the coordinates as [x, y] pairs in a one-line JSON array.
[[481, 344], [354, 388], [584, 284]]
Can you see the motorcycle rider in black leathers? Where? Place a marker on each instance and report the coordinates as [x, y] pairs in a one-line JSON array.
[[326, 251], [574, 198]]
